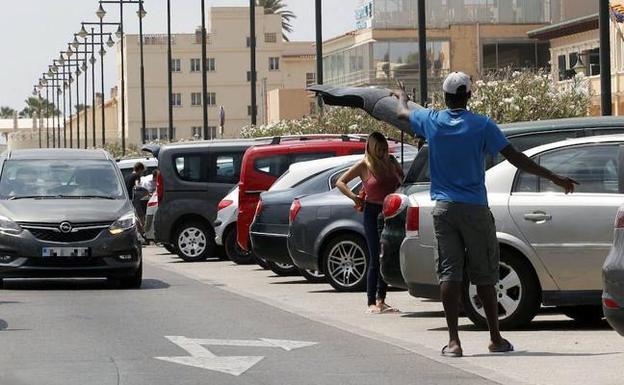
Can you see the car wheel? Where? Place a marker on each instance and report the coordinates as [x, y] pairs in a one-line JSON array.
[[234, 252], [313, 276], [517, 290], [283, 269], [194, 242], [584, 314], [170, 248], [133, 281], [345, 261]]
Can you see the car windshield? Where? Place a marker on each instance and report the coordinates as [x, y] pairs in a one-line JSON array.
[[60, 179]]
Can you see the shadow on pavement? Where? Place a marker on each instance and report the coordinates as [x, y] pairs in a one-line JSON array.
[[299, 281], [323, 291], [77, 284], [524, 353], [424, 314], [542, 325]]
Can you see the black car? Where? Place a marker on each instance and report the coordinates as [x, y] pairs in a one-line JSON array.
[[66, 213], [193, 179]]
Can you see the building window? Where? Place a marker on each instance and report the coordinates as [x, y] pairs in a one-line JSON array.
[[274, 64], [211, 99], [176, 65], [310, 79], [196, 99], [195, 65], [197, 132], [270, 37], [176, 100], [517, 55], [154, 134], [210, 64], [212, 132]]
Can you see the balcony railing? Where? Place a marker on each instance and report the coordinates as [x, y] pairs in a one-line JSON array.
[[387, 78]]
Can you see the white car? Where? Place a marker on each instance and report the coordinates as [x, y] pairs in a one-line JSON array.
[[225, 228], [126, 165], [552, 245]]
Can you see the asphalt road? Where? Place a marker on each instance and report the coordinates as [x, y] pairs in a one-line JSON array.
[[88, 332]]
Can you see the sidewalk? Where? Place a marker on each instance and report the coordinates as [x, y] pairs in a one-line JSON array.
[[552, 350]]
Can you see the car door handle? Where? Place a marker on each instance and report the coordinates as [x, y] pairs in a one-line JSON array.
[[537, 216]]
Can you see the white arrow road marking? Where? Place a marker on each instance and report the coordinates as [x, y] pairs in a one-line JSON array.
[[234, 365]]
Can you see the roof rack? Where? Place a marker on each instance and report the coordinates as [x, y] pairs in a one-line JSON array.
[[343, 137]]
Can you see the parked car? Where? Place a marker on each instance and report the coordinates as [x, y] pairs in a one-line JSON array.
[[193, 178], [613, 277], [262, 165], [552, 244], [126, 165], [326, 233], [225, 229], [269, 229], [66, 213]]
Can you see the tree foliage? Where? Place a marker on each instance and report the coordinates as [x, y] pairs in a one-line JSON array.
[[512, 96], [7, 112], [335, 120], [277, 7], [36, 107]]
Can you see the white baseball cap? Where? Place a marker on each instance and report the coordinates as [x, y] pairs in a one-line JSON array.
[[454, 80]]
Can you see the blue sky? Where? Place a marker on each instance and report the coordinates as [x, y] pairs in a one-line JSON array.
[[34, 31]]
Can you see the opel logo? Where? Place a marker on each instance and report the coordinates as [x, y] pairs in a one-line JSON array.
[[65, 227]]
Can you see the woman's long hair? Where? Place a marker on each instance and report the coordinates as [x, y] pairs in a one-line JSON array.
[[377, 164]]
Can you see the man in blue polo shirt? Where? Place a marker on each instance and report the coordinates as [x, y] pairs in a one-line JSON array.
[[464, 226]]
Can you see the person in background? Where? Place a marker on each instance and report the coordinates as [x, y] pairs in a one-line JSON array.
[[464, 227], [381, 174], [150, 184], [134, 178]]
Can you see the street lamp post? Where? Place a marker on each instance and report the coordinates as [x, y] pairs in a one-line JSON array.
[[319, 48], [169, 74], [204, 61], [67, 92], [252, 48], [120, 34], [605, 56], [110, 43]]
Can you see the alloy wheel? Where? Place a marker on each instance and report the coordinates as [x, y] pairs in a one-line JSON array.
[[346, 263], [509, 292]]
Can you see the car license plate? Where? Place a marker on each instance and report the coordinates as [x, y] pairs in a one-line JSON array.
[[65, 252]]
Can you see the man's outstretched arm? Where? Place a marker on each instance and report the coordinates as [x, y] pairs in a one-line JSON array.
[[524, 163]]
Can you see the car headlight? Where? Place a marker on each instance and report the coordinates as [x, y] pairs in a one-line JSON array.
[[8, 226], [126, 222]]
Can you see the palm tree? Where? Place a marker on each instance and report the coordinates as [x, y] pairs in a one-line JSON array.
[[276, 7], [36, 106], [6, 112]]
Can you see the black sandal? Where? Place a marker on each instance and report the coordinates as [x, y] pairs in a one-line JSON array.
[[447, 353], [506, 347]]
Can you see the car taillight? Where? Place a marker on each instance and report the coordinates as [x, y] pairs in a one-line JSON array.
[[619, 219], [153, 201], [223, 204], [610, 304], [160, 187], [412, 222], [294, 210], [393, 205]]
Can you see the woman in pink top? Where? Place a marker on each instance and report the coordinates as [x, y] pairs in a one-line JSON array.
[[381, 175]]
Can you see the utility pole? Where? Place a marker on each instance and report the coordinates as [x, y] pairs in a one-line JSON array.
[[204, 70], [319, 48], [252, 48], [605, 57]]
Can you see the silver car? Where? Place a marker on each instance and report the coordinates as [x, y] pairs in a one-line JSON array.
[[552, 245], [613, 277]]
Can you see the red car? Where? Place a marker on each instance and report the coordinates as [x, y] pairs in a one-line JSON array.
[[262, 165]]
